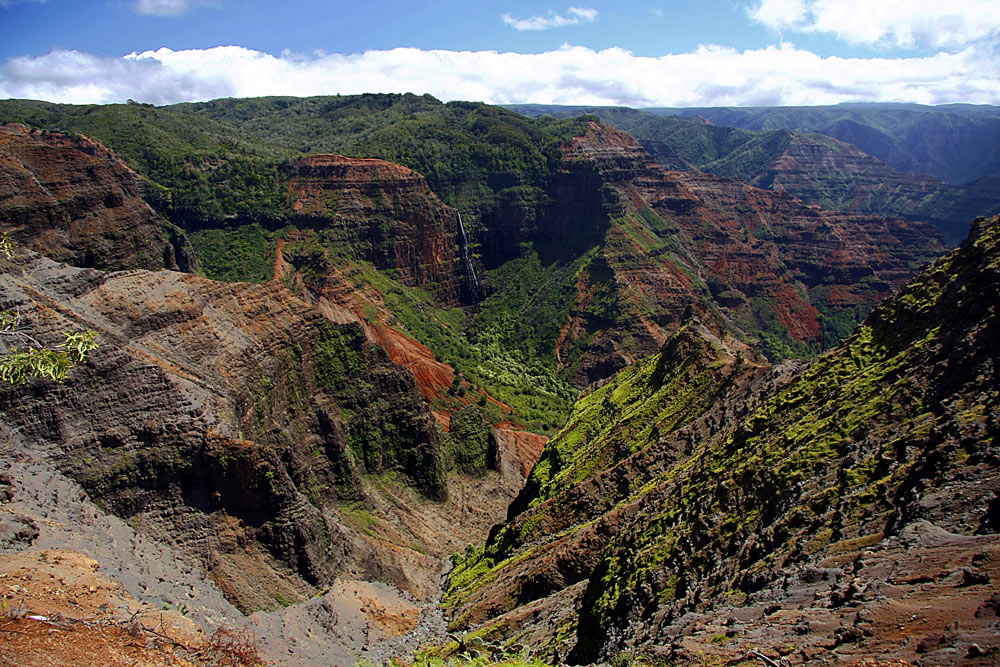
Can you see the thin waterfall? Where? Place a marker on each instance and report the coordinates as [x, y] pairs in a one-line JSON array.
[[475, 289]]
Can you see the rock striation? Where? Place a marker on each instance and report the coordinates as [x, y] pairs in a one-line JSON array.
[[71, 199], [803, 158], [228, 419], [272, 442], [838, 176]]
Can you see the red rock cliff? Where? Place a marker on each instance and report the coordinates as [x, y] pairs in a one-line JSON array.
[[383, 213]]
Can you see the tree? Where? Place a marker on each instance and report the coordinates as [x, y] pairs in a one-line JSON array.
[[38, 360]]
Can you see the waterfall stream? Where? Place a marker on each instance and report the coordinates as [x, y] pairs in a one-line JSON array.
[[475, 289]]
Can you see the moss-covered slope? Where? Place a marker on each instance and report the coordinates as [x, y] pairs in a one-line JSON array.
[[770, 498]]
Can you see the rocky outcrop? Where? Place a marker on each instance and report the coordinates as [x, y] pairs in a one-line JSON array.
[[519, 450], [761, 266], [699, 507], [383, 213], [71, 199]]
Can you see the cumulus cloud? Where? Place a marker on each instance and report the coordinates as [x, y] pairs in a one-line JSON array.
[[709, 76], [574, 16], [166, 7], [904, 23]]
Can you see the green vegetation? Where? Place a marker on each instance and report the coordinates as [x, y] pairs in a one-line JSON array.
[[657, 395], [726, 151], [471, 443], [955, 142], [645, 401], [819, 466], [340, 357], [204, 172], [775, 341], [216, 170], [744, 143], [519, 379], [356, 516], [475, 156], [383, 432], [223, 161], [243, 253]]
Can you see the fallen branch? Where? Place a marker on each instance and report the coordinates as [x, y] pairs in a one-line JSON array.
[[757, 654]]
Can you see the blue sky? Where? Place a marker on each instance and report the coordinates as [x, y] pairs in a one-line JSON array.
[[648, 53], [115, 28]]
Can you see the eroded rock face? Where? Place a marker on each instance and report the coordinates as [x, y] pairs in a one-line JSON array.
[[228, 419], [343, 300], [756, 264], [383, 213], [699, 506], [70, 198]]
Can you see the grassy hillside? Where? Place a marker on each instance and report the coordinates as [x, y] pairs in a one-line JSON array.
[[205, 172], [475, 156], [222, 161]]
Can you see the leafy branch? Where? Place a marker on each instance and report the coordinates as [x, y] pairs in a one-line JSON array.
[[38, 360]]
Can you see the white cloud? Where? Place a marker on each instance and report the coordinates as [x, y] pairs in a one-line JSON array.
[[167, 7], [574, 16], [8, 3], [952, 24], [709, 76]]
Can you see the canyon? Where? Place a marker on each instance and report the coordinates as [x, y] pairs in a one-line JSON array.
[[552, 395]]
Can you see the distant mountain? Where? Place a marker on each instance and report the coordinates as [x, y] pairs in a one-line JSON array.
[[817, 168], [586, 254], [958, 143], [757, 265], [697, 506]]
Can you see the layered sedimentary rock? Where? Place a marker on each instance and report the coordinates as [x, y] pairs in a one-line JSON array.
[[837, 175], [699, 507], [71, 199], [383, 213], [760, 265], [273, 442]]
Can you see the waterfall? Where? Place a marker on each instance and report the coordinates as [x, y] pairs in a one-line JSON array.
[[475, 289]]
